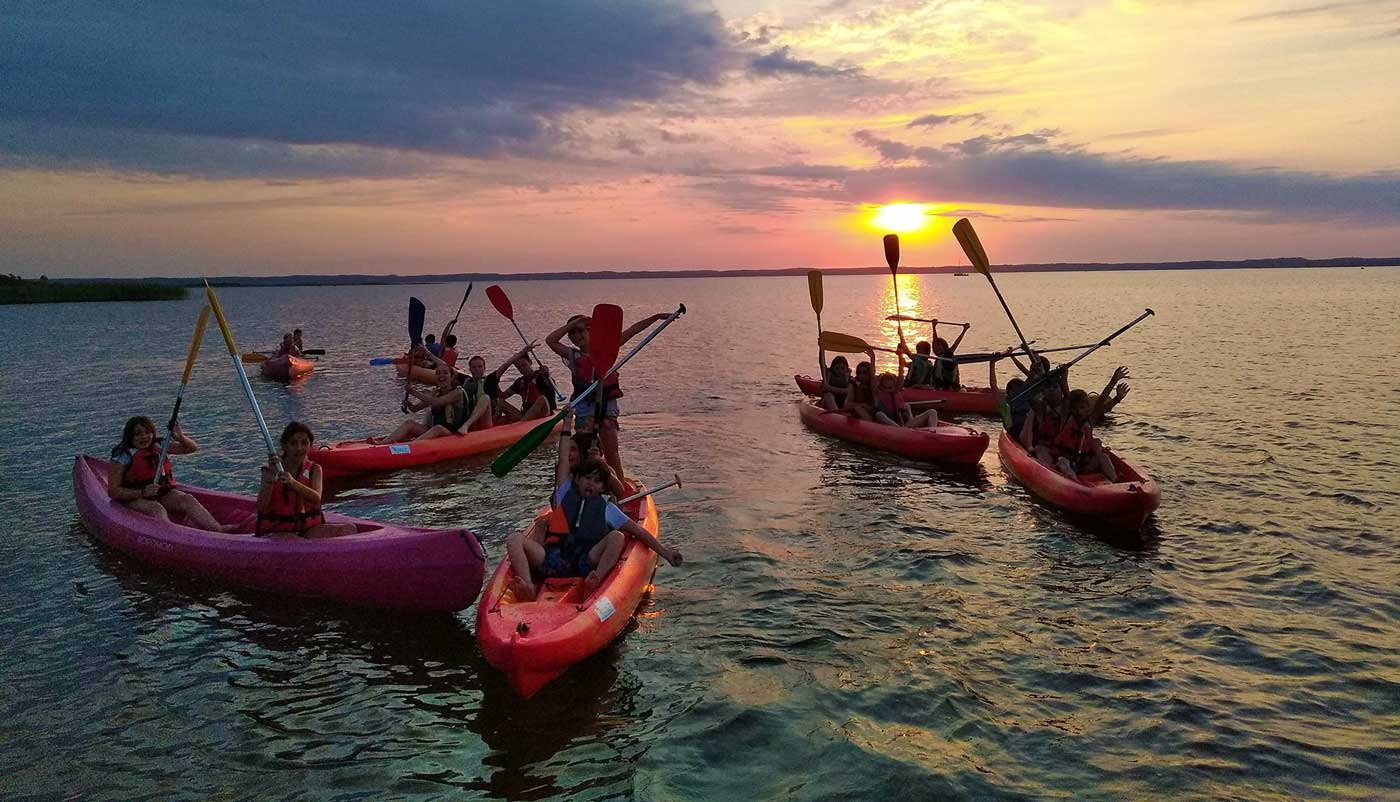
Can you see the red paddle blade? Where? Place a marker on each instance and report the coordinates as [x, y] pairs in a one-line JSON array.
[[498, 299], [892, 251], [604, 336]]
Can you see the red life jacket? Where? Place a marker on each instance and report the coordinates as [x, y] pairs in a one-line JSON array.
[[288, 511], [142, 470], [584, 375], [889, 403], [861, 393], [1075, 438], [1047, 428]]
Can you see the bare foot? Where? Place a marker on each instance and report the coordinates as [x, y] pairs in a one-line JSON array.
[[229, 529], [591, 583], [523, 590]]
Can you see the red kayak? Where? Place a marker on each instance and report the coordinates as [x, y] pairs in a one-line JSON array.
[[1124, 504], [287, 367], [968, 400], [421, 374], [383, 565], [537, 641], [361, 456], [944, 443]]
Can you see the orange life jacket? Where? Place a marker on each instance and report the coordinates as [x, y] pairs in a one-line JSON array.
[[142, 469], [288, 511]]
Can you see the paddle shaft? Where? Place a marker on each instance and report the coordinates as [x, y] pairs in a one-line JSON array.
[[448, 328], [814, 290], [558, 396], [1105, 341], [673, 483], [180, 394], [242, 377], [617, 365]]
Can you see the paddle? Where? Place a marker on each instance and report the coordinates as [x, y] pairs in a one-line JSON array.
[[1101, 343], [180, 394], [814, 289], [416, 312], [522, 447], [933, 321], [446, 330], [498, 299], [242, 377], [262, 356], [892, 259], [848, 343], [972, 246], [673, 483], [604, 340]]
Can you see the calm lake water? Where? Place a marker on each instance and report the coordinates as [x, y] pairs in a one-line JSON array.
[[847, 624]]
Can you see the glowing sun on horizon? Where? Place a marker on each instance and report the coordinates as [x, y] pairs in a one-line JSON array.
[[901, 217]]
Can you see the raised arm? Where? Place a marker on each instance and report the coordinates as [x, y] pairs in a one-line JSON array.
[[566, 445], [511, 359], [565, 352], [1025, 371], [642, 325], [436, 401], [671, 556], [1106, 401], [954, 347], [181, 443]]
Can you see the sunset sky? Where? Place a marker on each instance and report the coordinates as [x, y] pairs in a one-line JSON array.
[[195, 137]]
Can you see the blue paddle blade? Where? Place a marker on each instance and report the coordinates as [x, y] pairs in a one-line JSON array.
[[382, 360], [416, 313]]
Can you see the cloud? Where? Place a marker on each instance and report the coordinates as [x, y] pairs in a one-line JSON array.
[[1344, 8], [935, 120], [780, 62], [889, 149], [457, 79]]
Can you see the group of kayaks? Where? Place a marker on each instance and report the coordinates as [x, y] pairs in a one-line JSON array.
[[1123, 504]]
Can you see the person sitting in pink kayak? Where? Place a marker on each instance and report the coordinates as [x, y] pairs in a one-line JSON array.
[[891, 408], [447, 404], [134, 480], [289, 501], [289, 346], [836, 383], [584, 533], [1075, 448]]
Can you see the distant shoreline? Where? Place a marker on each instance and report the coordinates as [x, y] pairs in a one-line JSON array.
[[586, 275], [15, 290]]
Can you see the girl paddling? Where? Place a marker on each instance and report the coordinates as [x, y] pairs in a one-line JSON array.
[[134, 479], [449, 410], [289, 502]]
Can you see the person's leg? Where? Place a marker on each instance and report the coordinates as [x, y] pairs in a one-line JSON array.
[[151, 507], [510, 412], [435, 432], [1043, 456], [881, 417], [828, 402], [480, 417], [603, 557], [926, 419], [194, 512], [863, 412], [329, 530], [608, 437], [1066, 468], [524, 553], [407, 430], [539, 409], [1105, 464]]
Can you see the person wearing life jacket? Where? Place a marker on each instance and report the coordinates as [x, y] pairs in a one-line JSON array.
[[535, 389], [920, 364], [592, 416], [836, 383], [289, 501], [860, 400], [297, 341], [1013, 415], [289, 346], [434, 347], [584, 533], [1043, 423], [134, 480], [892, 409], [449, 350], [446, 405], [1075, 447]]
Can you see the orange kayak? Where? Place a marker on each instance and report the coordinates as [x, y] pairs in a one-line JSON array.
[[535, 642], [419, 373], [1124, 504], [360, 456], [286, 368], [945, 442], [968, 400]]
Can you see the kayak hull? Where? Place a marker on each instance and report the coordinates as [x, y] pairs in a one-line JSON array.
[[360, 456], [944, 443], [382, 566], [286, 368], [967, 401], [535, 642], [420, 374], [1124, 504]]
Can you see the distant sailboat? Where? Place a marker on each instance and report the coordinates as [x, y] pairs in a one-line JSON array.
[[960, 274]]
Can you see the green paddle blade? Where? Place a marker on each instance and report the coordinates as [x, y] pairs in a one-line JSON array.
[[522, 448]]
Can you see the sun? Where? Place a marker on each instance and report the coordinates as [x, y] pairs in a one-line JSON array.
[[901, 217]]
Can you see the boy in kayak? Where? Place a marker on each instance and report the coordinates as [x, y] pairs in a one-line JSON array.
[[289, 346], [584, 533], [134, 480], [447, 415], [1075, 448], [449, 350], [891, 408], [919, 364], [434, 347], [535, 389], [592, 417], [289, 502], [296, 340]]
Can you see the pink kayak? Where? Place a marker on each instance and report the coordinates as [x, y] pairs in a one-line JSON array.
[[968, 400], [943, 443], [1125, 503], [387, 566]]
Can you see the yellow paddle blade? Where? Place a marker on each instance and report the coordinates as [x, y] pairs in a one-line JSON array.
[[194, 344], [814, 288], [972, 246], [255, 358], [219, 316], [844, 343]]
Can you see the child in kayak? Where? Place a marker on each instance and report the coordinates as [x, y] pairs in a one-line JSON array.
[[584, 533], [289, 502], [535, 389], [919, 364], [1075, 447], [134, 480], [434, 347], [297, 341], [860, 400], [1111, 396], [591, 417], [289, 346], [448, 405], [1043, 424], [836, 383], [449, 350], [891, 408]]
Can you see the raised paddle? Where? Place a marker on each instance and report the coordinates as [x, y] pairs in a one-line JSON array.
[[604, 340], [498, 299], [242, 377], [1101, 343], [848, 343], [446, 330], [814, 289], [892, 259], [522, 447], [416, 312], [180, 394], [933, 321], [972, 246]]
